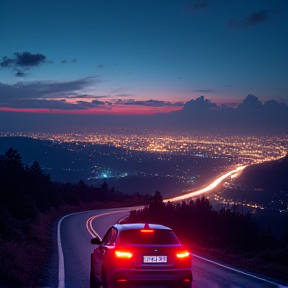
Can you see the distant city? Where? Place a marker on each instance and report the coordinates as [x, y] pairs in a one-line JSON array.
[[145, 161], [242, 150]]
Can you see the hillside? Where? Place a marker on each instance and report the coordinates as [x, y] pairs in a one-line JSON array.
[[268, 175]]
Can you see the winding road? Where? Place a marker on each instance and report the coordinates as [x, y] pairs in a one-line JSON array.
[[74, 248]]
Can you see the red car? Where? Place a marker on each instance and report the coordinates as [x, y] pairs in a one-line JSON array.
[[133, 254]]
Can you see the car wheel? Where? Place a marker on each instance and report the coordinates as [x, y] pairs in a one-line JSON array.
[[93, 281]]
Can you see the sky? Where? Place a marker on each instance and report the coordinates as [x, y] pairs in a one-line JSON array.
[[111, 57]]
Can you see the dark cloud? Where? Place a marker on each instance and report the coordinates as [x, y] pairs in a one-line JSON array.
[[149, 103], [90, 105], [198, 106], [24, 60], [74, 61], [252, 19], [87, 96], [40, 104], [55, 89], [100, 66], [29, 59], [6, 62], [250, 117], [196, 6], [20, 73], [56, 104], [29, 90], [51, 104]]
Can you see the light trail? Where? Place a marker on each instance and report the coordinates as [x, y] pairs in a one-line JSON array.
[[206, 189]]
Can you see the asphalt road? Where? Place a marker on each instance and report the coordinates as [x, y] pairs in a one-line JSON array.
[[74, 250]]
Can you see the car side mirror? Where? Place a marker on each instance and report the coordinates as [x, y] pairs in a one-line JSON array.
[[95, 241]]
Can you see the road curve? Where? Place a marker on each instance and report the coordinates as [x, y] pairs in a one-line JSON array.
[[74, 234]]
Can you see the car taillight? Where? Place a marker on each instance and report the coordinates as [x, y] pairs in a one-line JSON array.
[[147, 230], [182, 254], [122, 254]]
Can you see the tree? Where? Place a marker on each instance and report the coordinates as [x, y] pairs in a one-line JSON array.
[[104, 185], [157, 202]]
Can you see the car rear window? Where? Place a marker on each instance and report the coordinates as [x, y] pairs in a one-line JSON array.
[[159, 237]]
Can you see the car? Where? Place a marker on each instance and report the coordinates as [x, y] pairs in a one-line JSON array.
[[130, 255]]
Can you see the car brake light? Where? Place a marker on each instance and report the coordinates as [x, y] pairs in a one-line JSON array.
[[121, 254], [183, 254], [147, 230]]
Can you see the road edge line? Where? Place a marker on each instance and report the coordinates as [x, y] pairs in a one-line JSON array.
[[61, 266], [238, 271]]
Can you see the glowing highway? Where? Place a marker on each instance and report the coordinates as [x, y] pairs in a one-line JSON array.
[[208, 188]]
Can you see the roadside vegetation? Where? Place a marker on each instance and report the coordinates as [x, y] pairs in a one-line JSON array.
[[225, 236], [30, 206]]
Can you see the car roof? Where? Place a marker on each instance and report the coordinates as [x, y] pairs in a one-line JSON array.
[[135, 226]]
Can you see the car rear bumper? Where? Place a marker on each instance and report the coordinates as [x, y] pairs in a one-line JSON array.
[[180, 277]]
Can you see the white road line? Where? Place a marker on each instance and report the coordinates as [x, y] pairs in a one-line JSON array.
[[61, 270], [61, 266], [239, 271]]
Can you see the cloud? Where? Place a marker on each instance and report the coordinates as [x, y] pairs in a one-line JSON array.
[[44, 89], [41, 104], [93, 104], [21, 61], [250, 20], [6, 62], [149, 103], [20, 73], [29, 59], [64, 61], [85, 96], [53, 104], [51, 95], [196, 6], [25, 59]]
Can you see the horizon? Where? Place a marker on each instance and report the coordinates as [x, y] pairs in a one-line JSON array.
[[199, 116]]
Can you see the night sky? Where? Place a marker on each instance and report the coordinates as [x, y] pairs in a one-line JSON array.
[[138, 57]]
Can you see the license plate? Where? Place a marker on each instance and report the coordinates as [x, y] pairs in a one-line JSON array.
[[154, 259]]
